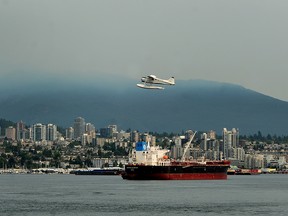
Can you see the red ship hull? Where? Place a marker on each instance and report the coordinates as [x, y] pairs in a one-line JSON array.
[[178, 171], [161, 176]]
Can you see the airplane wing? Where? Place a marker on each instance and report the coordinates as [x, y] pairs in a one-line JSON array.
[[152, 77], [156, 80]]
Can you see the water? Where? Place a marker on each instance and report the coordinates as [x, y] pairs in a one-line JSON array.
[[110, 195]]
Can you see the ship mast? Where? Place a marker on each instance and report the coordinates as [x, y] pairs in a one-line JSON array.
[[187, 146]]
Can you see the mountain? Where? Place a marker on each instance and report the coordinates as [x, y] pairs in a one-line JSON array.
[[191, 104]]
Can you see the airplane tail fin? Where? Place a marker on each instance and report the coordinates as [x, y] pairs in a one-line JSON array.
[[172, 80]]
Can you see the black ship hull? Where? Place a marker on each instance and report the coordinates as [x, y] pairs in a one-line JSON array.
[[176, 172]]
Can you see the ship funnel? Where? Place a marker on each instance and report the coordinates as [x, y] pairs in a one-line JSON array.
[[141, 146]]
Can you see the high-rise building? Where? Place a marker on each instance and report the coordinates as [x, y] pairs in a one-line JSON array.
[[89, 127], [20, 131], [113, 127], [39, 132], [134, 136], [239, 154], [106, 132], [230, 140], [79, 127], [203, 144], [211, 135], [90, 130], [189, 134], [10, 133], [51, 132], [70, 133]]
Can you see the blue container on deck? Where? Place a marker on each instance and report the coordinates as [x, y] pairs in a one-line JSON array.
[[141, 146]]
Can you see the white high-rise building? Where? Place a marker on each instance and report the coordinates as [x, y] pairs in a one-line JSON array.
[[90, 130], [230, 140], [211, 135], [89, 127], [39, 132], [70, 133], [51, 132], [203, 144], [86, 139], [239, 154]]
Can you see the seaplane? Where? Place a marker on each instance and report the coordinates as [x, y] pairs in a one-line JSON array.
[[150, 80]]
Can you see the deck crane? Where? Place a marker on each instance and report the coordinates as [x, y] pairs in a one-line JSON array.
[[187, 146]]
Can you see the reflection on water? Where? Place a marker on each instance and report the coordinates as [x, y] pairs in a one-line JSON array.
[[110, 195]]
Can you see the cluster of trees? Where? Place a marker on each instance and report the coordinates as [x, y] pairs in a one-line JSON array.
[[265, 138], [17, 156]]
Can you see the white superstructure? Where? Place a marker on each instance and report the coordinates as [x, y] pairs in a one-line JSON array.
[[153, 156]]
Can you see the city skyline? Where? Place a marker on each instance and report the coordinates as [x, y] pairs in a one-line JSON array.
[[250, 153], [87, 128]]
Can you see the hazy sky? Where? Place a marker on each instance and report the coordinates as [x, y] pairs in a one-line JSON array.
[[243, 42]]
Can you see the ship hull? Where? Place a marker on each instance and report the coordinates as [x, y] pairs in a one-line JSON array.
[[142, 172]]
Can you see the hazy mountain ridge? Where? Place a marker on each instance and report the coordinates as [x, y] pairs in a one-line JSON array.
[[193, 104]]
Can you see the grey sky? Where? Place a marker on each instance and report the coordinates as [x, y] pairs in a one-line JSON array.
[[243, 42]]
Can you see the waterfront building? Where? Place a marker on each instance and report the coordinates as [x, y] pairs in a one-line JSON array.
[[253, 161], [282, 161], [10, 133], [239, 154], [79, 127], [100, 162]]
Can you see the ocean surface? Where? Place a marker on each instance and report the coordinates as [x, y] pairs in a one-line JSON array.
[[44, 195]]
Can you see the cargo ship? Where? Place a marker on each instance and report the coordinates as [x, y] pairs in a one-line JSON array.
[[153, 163]]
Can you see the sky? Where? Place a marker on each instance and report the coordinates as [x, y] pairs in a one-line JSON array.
[[241, 42]]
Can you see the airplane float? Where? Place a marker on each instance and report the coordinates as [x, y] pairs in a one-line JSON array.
[[150, 80]]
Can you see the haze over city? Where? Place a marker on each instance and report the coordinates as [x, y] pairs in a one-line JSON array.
[[239, 42]]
